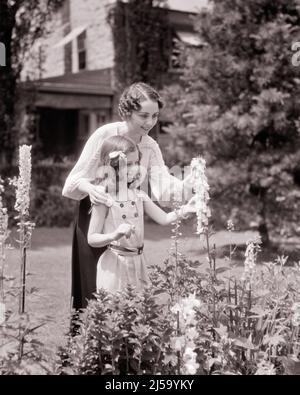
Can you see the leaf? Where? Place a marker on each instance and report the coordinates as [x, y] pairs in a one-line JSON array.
[[222, 269], [273, 340], [258, 310], [219, 288], [262, 293], [172, 359], [212, 361], [159, 291], [291, 366], [221, 331], [195, 264], [244, 343]]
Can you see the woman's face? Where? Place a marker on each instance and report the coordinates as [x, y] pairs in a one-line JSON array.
[[143, 120]]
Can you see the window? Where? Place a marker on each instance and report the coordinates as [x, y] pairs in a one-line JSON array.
[[185, 38], [101, 118], [81, 48], [175, 54]]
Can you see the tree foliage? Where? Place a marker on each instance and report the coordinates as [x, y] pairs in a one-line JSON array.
[[237, 104], [141, 40], [22, 22]]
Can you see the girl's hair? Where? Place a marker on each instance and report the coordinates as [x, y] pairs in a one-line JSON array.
[[113, 144], [133, 96]]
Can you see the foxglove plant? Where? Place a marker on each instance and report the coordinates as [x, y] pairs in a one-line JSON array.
[[201, 187], [174, 251], [184, 343], [296, 314], [25, 226], [253, 247], [3, 237]]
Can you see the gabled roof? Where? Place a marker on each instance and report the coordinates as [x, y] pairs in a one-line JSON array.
[[93, 82]]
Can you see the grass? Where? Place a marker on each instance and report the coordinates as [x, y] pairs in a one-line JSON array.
[[49, 269]]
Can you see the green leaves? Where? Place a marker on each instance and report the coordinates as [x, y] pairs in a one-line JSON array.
[[140, 52], [241, 94]]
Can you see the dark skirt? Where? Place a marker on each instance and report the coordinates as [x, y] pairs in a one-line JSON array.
[[84, 259]]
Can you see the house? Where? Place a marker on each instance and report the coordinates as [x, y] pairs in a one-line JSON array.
[[75, 91]]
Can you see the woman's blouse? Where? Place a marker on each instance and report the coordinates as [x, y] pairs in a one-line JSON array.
[[164, 186]]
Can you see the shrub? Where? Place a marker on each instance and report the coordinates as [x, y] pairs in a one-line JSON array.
[[48, 206], [194, 321]]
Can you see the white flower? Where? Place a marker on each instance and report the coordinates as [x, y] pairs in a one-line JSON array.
[[250, 262], [201, 188], [296, 314], [2, 313], [189, 361], [3, 224], [177, 343], [230, 225], [265, 368], [3, 216], [117, 154], [185, 311], [23, 181], [191, 368], [191, 333], [189, 352]]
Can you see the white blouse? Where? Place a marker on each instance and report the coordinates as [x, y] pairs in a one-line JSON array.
[[163, 184]]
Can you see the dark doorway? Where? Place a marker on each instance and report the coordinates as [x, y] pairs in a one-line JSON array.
[[58, 131]]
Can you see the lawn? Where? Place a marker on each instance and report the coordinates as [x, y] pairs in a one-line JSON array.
[[49, 269]]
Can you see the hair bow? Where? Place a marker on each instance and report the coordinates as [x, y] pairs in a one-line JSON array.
[[117, 154]]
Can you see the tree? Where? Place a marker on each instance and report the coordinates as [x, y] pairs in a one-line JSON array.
[[141, 38], [239, 106], [22, 22]]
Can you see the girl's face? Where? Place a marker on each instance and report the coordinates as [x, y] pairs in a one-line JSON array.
[[143, 120], [133, 165]]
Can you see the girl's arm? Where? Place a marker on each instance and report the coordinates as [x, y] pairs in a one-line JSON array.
[[163, 218], [98, 239]]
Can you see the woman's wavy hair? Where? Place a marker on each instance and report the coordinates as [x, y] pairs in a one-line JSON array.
[[134, 95], [108, 172]]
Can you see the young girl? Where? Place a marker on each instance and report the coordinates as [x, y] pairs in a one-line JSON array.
[[120, 227]]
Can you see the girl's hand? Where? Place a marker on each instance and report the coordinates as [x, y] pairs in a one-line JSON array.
[[98, 196], [124, 230], [190, 207]]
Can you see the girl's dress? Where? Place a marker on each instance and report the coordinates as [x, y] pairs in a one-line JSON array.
[[123, 262]]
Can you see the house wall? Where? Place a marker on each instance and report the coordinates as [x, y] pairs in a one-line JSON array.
[[44, 60], [93, 13], [100, 50]]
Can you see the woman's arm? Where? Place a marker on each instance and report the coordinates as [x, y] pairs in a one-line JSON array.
[[164, 186], [79, 181], [95, 236]]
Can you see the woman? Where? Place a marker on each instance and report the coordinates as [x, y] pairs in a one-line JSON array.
[[139, 109]]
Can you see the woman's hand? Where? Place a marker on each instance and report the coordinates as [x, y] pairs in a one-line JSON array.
[[124, 230], [188, 181], [98, 196]]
